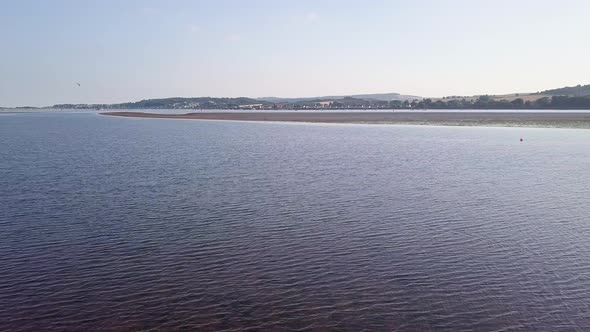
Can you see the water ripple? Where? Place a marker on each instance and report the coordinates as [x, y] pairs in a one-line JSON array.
[[127, 224]]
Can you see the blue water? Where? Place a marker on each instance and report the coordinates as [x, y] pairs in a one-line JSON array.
[[137, 224]]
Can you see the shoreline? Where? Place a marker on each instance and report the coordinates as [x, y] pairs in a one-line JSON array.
[[492, 119]]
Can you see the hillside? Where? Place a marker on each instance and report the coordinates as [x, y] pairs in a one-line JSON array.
[[200, 102], [574, 91], [577, 97], [373, 96], [175, 103]]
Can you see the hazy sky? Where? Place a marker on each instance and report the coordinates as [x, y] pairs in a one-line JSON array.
[[131, 50]]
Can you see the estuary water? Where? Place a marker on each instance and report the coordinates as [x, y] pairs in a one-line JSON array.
[[120, 224]]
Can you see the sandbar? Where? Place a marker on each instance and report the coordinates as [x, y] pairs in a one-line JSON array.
[[493, 119]]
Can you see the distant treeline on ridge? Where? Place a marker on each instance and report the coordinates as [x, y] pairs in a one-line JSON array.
[[487, 102], [577, 97]]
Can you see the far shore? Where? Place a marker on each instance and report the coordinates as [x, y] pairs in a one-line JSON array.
[[492, 119]]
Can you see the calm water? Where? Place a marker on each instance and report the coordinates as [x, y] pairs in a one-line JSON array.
[[138, 224]]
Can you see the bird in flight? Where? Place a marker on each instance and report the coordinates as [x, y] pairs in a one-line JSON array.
[[78, 83]]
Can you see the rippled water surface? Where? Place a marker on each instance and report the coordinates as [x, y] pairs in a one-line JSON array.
[[138, 224]]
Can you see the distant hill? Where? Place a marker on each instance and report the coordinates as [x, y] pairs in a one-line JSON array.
[[574, 91], [248, 103], [200, 102], [387, 97], [577, 97], [374, 96], [175, 103]]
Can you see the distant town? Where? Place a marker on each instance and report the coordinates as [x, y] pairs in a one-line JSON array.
[[577, 97]]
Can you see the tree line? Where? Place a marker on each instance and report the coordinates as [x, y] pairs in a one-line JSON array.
[[487, 102]]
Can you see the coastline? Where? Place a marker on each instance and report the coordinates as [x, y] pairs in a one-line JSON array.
[[492, 119]]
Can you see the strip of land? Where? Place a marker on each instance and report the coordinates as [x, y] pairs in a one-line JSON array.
[[495, 119]]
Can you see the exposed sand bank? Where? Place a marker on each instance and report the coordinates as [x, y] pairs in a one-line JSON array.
[[511, 119]]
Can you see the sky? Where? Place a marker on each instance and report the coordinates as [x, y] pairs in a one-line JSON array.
[[130, 50]]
